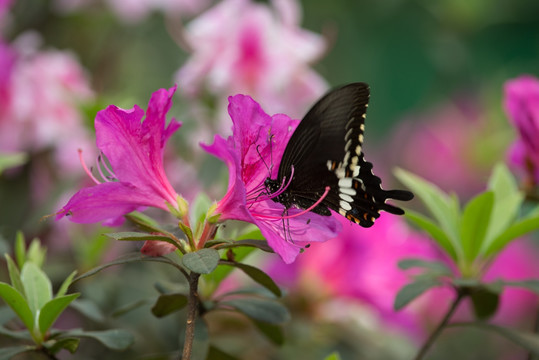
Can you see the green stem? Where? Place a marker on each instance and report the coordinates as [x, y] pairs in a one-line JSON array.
[[434, 335], [192, 310]]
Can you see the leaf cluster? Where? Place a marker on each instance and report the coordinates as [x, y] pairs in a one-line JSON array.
[[471, 237], [30, 297]]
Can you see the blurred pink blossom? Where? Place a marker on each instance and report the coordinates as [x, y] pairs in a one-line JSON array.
[[444, 146], [518, 261], [361, 265], [521, 104], [240, 46], [40, 94]]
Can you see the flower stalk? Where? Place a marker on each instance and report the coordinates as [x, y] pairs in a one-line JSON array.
[[192, 312], [461, 294]]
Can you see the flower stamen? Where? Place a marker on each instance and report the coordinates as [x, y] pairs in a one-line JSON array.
[[88, 172], [298, 214]]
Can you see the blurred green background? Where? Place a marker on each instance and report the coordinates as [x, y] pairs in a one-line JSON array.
[[412, 52]]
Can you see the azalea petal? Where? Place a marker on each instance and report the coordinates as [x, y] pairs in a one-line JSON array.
[[288, 236], [232, 205], [134, 147], [107, 201], [260, 158]]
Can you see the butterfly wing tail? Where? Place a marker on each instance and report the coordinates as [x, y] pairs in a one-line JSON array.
[[401, 195]]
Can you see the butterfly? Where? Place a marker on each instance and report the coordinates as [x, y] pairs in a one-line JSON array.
[[324, 151]]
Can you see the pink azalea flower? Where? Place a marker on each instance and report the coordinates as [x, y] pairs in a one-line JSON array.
[[240, 46], [443, 145], [258, 141], [522, 107], [518, 261], [361, 265], [134, 149], [40, 96]]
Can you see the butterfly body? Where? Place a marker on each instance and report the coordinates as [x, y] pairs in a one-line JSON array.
[[324, 151]]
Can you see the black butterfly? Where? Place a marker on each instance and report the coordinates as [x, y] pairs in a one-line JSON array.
[[325, 150]]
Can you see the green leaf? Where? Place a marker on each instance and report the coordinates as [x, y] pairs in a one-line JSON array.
[[16, 334], [129, 258], [259, 244], [11, 160], [124, 309], [20, 249], [37, 286], [485, 302], [136, 236], [265, 310], [474, 224], [257, 275], [271, 331], [9, 352], [115, 339], [333, 356], [413, 290], [437, 267], [532, 284], [443, 207], [506, 205], [89, 309], [14, 275], [36, 253], [145, 223], [217, 354], [433, 230], [52, 309], [69, 344], [203, 261], [528, 224], [168, 303], [65, 285], [529, 341], [18, 303], [199, 207]]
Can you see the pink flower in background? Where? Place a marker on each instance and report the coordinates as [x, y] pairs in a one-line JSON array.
[[518, 261], [521, 104], [240, 46], [444, 146], [134, 149], [361, 264], [40, 94], [8, 57], [257, 140]]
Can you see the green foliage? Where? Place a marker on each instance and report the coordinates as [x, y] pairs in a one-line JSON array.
[[529, 341], [8, 161], [30, 296], [334, 356], [471, 237], [203, 261], [168, 303], [477, 233]]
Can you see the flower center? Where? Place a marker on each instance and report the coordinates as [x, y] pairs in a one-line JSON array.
[[101, 165]]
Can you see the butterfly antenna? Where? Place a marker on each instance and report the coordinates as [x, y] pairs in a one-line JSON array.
[[262, 158]]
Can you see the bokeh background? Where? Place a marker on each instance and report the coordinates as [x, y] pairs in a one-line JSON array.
[[436, 71]]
